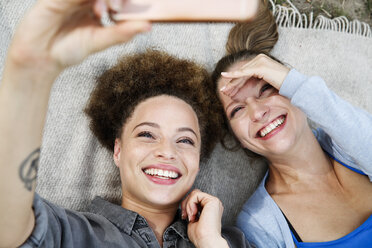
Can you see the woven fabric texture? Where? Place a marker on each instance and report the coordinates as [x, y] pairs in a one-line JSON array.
[[74, 167]]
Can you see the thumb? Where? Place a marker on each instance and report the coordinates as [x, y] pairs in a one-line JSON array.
[[105, 37]]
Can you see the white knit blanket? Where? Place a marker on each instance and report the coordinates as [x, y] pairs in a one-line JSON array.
[[74, 167]]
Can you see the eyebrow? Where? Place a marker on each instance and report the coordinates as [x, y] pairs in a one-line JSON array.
[[186, 129], [152, 124], [228, 106]]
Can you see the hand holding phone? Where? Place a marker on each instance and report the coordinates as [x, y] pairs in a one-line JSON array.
[[187, 10]]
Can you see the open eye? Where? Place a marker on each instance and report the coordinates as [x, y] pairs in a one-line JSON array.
[[185, 140], [146, 134], [235, 110], [265, 87]]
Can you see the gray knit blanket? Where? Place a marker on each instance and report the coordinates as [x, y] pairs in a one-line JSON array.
[[74, 167]]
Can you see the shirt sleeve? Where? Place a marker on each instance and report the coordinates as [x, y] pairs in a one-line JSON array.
[[59, 227], [344, 130], [45, 218]]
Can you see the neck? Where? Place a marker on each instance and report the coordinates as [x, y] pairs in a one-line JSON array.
[[302, 166], [158, 217]]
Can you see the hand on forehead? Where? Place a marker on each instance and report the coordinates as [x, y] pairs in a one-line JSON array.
[[261, 67], [250, 87]]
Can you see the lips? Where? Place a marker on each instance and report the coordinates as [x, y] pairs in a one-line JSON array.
[[162, 174], [271, 128]]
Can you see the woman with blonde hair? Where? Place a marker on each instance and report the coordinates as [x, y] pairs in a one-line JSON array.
[[317, 191]]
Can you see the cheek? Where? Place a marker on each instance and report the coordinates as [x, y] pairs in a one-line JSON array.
[[132, 155], [191, 161], [240, 128], [300, 119]]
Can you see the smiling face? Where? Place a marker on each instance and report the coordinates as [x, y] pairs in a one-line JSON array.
[[263, 121], [158, 152]]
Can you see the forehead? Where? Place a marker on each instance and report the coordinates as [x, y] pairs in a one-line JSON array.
[[247, 90], [223, 81], [166, 111]]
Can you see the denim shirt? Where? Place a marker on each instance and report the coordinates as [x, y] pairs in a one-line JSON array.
[[107, 225]]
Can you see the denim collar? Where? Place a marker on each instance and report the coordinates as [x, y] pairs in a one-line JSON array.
[[127, 220]]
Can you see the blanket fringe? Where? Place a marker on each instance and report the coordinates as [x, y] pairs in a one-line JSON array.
[[291, 17]]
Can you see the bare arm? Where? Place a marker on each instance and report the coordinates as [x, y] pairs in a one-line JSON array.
[[55, 34]]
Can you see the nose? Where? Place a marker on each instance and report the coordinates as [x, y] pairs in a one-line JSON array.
[[257, 110], [165, 150]]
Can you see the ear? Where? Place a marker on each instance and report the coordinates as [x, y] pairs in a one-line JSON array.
[[117, 150]]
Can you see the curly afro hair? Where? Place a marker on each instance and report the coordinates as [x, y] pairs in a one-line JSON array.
[[140, 76]]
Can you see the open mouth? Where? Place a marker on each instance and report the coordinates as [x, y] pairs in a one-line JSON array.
[[161, 174], [274, 125]]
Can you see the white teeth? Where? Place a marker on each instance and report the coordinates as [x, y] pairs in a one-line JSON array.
[[173, 174], [272, 126], [165, 174]]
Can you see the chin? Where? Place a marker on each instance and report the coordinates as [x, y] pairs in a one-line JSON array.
[[281, 148], [165, 197], [165, 200]]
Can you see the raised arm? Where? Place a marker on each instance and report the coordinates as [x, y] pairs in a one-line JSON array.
[[345, 129], [53, 35], [349, 142]]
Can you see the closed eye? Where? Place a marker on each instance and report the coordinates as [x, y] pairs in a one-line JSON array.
[[235, 110], [186, 141], [265, 87], [146, 134]]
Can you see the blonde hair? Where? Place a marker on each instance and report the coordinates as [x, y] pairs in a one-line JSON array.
[[247, 40], [260, 35]]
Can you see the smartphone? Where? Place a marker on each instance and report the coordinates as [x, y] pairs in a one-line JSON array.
[[188, 10]]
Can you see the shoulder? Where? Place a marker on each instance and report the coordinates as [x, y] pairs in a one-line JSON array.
[[59, 227], [335, 151]]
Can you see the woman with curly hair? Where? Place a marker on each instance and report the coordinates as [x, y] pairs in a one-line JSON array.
[[317, 190], [155, 113]]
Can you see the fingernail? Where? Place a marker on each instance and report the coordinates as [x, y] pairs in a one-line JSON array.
[[224, 73], [223, 88], [100, 7]]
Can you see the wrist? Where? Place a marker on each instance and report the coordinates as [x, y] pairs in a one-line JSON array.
[[24, 71], [22, 57]]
